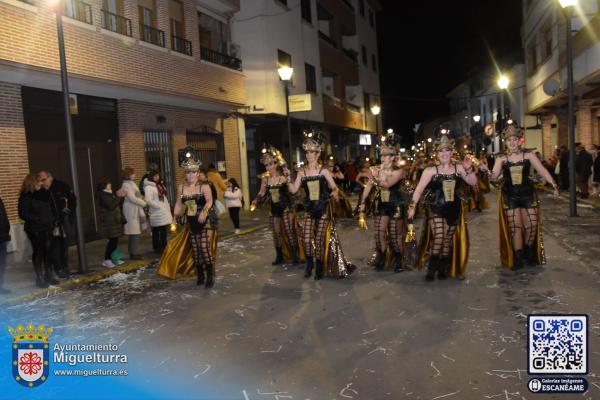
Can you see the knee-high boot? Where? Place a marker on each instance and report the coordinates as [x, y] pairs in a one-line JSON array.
[[398, 267], [309, 267], [200, 272], [432, 267], [210, 276], [443, 267], [278, 257], [295, 260], [530, 256], [379, 260], [319, 270], [518, 262]]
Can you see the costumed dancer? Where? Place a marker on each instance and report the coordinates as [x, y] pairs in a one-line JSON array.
[[318, 224], [343, 208], [273, 186], [477, 198], [362, 178], [519, 210], [445, 241], [387, 180], [196, 246]]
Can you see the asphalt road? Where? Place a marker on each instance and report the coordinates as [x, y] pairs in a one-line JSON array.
[[265, 332]]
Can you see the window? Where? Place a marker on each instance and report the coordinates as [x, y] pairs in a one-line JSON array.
[[374, 62], [311, 78], [213, 33], [546, 39], [283, 59], [306, 12], [176, 18], [363, 51], [371, 18], [531, 56], [284, 2], [146, 12], [361, 7]]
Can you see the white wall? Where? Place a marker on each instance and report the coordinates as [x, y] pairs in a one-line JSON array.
[[261, 27]]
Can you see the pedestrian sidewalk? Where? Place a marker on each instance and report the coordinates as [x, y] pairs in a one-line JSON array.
[[20, 277]]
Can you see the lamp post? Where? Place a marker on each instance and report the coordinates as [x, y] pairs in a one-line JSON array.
[[56, 4], [568, 7], [375, 110], [285, 73], [503, 83]]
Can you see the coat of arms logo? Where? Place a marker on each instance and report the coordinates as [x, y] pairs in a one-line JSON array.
[[30, 354]]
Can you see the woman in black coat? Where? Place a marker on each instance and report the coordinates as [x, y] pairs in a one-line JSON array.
[[35, 210], [111, 218]]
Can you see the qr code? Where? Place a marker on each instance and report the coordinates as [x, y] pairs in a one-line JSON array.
[[558, 344]]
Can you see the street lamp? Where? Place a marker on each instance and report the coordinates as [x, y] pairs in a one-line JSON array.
[[375, 110], [568, 7], [285, 73], [390, 131], [476, 118], [503, 83], [56, 4]]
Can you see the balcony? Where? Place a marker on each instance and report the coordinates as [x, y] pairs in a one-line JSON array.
[[116, 23], [152, 35], [351, 54], [341, 113], [181, 45], [328, 39], [79, 10], [221, 59]]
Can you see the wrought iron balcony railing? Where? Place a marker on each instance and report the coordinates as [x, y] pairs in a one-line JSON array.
[[181, 45], [220, 58], [351, 54], [152, 35], [116, 23], [79, 11]]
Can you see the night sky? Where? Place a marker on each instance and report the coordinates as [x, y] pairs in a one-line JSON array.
[[426, 48]]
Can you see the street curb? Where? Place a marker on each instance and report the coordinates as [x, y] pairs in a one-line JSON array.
[[97, 276], [591, 202]]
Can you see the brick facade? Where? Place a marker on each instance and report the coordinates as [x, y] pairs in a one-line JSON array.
[[584, 123], [547, 145], [115, 58], [135, 118], [13, 151]]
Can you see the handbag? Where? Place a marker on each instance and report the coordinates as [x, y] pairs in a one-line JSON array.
[[219, 207]]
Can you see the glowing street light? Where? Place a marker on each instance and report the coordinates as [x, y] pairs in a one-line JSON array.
[[503, 82], [477, 118], [390, 130], [429, 140], [285, 73]]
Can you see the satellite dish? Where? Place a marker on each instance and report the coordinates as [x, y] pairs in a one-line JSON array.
[[551, 87]]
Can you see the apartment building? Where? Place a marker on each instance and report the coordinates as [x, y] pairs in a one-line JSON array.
[[147, 77], [544, 41], [322, 41]]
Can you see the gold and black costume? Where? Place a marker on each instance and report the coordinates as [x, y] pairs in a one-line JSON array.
[[519, 216], [445, 240]]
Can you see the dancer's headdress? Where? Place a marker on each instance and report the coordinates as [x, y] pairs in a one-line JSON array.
[[313, 141], [443, 142], [191, 164], [512, 130], [270, 154], [388, 144]]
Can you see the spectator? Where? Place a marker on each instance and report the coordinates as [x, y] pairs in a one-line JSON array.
[[63, 203], [583, 169], [596, 169], [35, 209], [111, 218], [233, 202], [4, 239], [159, 210], [563, 172], [215, 178], [350, 175], [133, 210]]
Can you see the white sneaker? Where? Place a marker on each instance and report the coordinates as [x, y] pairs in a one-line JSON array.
[[108, 264], [237, 231], [120, 262]]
